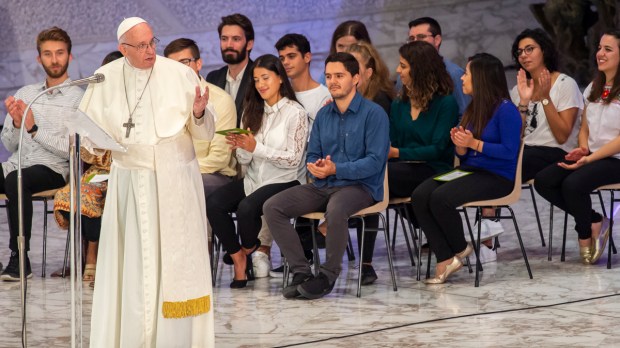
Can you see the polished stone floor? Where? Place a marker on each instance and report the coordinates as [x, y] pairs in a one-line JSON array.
[[567, 304]]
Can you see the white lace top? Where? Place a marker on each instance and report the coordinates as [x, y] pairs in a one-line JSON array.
[[280, 146]]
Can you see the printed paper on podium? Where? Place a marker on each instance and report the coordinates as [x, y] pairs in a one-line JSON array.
[[81, 124]]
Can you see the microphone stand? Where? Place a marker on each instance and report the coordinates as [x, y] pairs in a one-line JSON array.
[[74, 230]]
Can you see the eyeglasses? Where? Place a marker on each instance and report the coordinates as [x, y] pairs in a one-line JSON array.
[[528, 50], [419, 37], [186, 61], [142, 47]]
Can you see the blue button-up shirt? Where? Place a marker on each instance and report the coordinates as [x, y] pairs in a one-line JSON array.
[[358, 142]]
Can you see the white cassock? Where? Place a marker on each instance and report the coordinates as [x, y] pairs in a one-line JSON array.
[[153, 284]]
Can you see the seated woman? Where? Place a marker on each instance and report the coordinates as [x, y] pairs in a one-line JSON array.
[[420, 121], [346, 34], [487, 143], [272, 152], [596, 160], [549, 102], [92, 199]]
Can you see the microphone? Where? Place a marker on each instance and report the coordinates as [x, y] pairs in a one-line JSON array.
[[97, 78]]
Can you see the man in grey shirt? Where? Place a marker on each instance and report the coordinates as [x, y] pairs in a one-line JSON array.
[[45, 149]]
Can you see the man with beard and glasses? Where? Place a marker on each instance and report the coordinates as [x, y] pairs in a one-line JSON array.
[[347, 153], [236, 42], [45, 150]]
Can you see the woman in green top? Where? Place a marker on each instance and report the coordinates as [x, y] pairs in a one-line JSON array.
[[420, 120]]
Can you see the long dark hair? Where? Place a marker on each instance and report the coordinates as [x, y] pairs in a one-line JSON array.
[[549, 51], [489, 89], [356, 29], [427, 73], [598, 85], [253, 103]]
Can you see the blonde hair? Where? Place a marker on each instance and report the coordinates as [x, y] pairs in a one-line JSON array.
[[380, 79]]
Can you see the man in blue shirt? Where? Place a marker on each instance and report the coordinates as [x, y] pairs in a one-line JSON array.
[[346, 158]]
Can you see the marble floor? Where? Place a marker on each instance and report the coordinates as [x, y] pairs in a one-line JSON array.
[[567, 304]]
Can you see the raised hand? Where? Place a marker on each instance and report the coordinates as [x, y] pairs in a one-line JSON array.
[[200, 102], [524, 87], [544, 81]]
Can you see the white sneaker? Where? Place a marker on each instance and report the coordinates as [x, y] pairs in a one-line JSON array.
[[261, 263], [489, 229], [486, 255]]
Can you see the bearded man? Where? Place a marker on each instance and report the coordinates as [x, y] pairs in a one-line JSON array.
[[236, 42], [45, 150], [153, 282]]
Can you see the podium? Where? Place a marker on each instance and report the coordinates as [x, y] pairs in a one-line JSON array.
[[79, 125]]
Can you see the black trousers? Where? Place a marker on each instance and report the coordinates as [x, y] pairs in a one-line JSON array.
[[435, 203], [249, 209], [91, 227], [537, 158], [403, 178], [34, 179], [570, 189]]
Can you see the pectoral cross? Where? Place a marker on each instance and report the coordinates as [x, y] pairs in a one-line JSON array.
[[129, 125]]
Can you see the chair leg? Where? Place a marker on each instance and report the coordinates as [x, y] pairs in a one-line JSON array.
[[550, 232], [611, 229], [514, 221], [361, 257], [44, 236], [542, 238], [419, 267], [402, 222], [389, 252], [350, 252], [315, 250], [66, 260], [471, 236], [563, 256], [477, 249]]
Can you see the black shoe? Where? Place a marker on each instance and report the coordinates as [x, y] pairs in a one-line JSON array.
[[368, 275], [249, 275], [11, 272], [316, 288], [291, 290]]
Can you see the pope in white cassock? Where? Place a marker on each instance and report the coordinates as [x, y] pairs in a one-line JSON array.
[[153, 285]]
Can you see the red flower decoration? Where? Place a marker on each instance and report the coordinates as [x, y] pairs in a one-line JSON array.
[[605, 94]]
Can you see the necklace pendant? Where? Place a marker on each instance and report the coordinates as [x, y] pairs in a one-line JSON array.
[[129, 125]]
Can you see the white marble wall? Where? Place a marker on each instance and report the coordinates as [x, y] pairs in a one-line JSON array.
[[469, 26]]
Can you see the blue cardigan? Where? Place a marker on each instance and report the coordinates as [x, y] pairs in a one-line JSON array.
[[502, 141]]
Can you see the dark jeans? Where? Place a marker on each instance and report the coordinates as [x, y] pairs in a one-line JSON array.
[[435, 203], [91, 227], [338, 203], [537, 158], [34, 179], [249, 209], [570, 189]]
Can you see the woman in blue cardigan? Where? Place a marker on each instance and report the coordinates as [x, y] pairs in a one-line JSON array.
[[487, 143]]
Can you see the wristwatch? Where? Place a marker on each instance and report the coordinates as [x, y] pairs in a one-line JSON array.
[[33, 129], [545, 102]]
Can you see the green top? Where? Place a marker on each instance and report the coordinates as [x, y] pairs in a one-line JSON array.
[[427, 138]]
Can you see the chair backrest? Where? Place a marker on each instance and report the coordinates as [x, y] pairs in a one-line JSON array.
[[510, 198], [379, 206]]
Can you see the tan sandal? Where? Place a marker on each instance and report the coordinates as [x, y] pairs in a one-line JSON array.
[[89, 272]]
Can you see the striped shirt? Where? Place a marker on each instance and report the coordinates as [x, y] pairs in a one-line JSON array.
[[50, 145]]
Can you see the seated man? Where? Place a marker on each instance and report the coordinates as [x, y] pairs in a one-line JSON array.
[[346, 158], [217, 164], [45, 152]]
